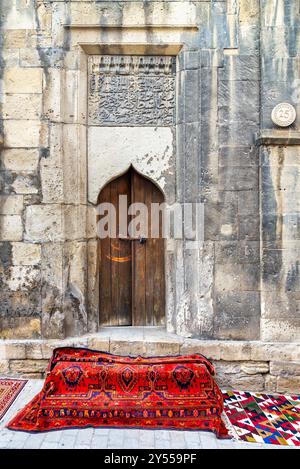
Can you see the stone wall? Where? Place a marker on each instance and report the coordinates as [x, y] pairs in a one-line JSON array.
[[235, 60]]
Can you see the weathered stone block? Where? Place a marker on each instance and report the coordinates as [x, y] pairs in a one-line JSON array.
[[231, 376], [120, 347], [26, 254], [11, 227], [33, 375], [237, 155], [14, 351], [237, 315], [33, 350], [234, 351], [101, 344], [288, 384], [22, 133], [52, 184], [22, 159], [275, 351], [271, 383], [11, 204], [23, 80], [285, 369], [21, 327], [27, 183], [252, 368], [161, 348], [28, 366], [22, 106], [280, 330], [4, 367], [238, 178], [43, 223], [211, 349], [23, 278]]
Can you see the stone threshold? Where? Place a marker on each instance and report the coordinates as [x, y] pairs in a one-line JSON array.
[[152, 341], [241, 365]]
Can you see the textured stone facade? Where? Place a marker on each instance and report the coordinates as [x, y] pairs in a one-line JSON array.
[[232, 62]]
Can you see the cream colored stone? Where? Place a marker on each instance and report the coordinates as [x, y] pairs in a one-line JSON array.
[[14, 350], [29, 57], [125, 347], [74, 222], [209, 348], [52, 184], [275, 351], [22, 106], [43, 223], [99, 344], [11, 228], [135, 13], [74, 163], [20, 159], [10, 57], [11, 204], [279, 330], [26, 254], [52, 100], [271, 383], [21, 15], [288, 384], [22, 133], [252, 368], [4, 367], [71, 83], [25, 328], [162, 348], [28, 366], [113, 149], [91, 222], [25, 184], [23, 80], [14, 38], [23, 278], [33, 350], [33, 375], [285, 368], [234, 350]]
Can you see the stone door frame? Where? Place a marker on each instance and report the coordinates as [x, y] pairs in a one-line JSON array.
[[163, 40]]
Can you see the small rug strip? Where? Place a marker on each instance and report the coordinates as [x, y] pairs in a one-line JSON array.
[[9, 391], [86, 388], [263, 418]]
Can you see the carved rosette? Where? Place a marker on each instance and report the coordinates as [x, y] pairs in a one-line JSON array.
[[131, 90]]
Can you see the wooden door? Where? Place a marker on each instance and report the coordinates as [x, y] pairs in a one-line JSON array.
[[132, 277]]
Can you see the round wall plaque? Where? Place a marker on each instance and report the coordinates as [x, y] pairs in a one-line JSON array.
[[283, 115]]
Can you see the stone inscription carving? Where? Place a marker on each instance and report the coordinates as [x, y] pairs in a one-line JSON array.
[[131, 90]]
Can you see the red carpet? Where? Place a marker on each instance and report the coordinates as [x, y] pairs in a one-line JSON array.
[[9, 391], [85, 388]]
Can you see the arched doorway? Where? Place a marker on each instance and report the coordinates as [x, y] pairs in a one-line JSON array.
[[131, 266]]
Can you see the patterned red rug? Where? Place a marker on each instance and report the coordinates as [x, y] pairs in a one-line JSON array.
[[9, 391], [263, 418], [87, 388]]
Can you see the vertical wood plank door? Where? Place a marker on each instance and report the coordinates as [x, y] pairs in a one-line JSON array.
[[132, 273], [115, 262]]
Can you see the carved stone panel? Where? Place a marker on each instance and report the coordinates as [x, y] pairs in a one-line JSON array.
[[131, 90]]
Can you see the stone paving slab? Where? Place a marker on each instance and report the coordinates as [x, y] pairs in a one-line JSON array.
[[107, 438]]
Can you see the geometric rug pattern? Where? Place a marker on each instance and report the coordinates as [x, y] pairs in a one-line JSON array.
[[9, 390], [263, 418]]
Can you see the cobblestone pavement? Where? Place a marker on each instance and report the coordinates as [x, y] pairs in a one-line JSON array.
[[108, 438]]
